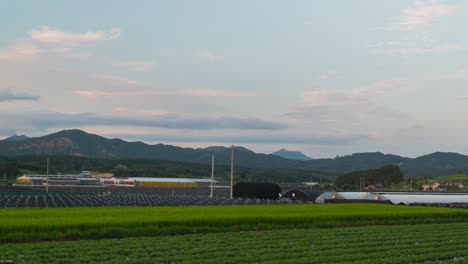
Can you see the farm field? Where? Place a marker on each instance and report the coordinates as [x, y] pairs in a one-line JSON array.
[[39, 224], [431, 243]]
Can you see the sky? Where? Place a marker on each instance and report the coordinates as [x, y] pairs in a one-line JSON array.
[[325, 77]]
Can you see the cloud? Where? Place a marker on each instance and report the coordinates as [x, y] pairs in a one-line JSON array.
[[119, 80], [423, 13], [459, 75], [244, 139], [138, 66], [48, 35], [438, 49], [94, 94], [9, 95], [355, 96], [340, 110], [217, 93], [209, 56], [21, 51], [33, 46], [48, 120], [415, 48], [330, 75]]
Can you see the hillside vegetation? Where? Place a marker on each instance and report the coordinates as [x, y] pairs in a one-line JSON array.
[[386, 176]]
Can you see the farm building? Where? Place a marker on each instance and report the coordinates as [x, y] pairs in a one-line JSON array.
[[164, 182], [159, 182], [256, 190], [61, 179]]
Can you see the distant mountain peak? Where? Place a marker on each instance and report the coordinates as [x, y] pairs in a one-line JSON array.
[[223, 149], [294, 155], [17, 138]]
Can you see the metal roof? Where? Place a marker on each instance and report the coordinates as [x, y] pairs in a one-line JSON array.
[[176, 180], [398, 197]]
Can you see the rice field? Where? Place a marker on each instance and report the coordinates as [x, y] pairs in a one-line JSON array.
[[59, 224]]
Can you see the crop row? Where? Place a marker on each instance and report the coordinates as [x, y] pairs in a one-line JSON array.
[[119, 222], [89, 200], [387, 244]]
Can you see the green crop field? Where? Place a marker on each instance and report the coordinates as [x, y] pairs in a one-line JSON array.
[[346, 233], [33, 224], [434, 243]]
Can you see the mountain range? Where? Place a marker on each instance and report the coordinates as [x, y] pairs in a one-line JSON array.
[[82, 144]]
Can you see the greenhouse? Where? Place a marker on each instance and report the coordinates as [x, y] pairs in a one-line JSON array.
[[406, 198]]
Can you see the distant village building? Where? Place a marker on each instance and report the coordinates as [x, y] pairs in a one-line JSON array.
[[87, 179], [432, 187], [311, 184], [457, 184], [374, 186], [60, 179]]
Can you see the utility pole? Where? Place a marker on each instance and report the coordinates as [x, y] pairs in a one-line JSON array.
[[212, 175], [232, 171], [47, 176]]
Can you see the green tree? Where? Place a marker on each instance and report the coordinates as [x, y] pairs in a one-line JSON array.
[[120, 170]]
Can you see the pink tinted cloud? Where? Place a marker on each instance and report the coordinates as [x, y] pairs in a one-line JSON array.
[[58, 37], [217, 93]]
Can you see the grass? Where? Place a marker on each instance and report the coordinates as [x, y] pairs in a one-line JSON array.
[[435, 243], [35, 224]]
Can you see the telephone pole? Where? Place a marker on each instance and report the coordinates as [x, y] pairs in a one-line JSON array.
[[47, 176], [212, 175], [232, 171]]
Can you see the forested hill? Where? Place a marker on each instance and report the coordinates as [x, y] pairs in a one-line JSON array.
[[81, 144], [386, 175]]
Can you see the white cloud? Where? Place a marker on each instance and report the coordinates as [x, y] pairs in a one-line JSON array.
[[95, 94], [35, 45], [124, 81], [330, 75], [461, 74], [421, 50], [423, 13], [358, 95], [342, 110], [217, 93], [138, 66], [21, 51], [54, 36], [209, 56]]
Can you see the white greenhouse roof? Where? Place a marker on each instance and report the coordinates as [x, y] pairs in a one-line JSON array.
[[397, 197]]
